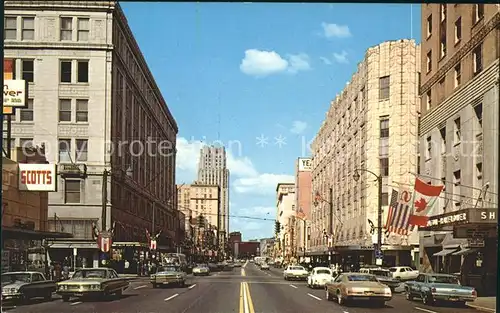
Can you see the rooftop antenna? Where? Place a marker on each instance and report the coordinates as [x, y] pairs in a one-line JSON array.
[[411, 21]]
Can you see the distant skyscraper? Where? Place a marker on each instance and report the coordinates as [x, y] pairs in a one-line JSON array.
[[212, 170]]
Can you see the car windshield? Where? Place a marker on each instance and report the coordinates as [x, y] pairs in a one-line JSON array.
[[202, 265], [167, 269], [324, 271], [380, 273], [444, 280], [361, 278], [90, 274], [297, 268], [393, 269], [12, 278]]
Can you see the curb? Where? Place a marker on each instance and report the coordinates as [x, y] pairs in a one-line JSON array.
[[481, 308]]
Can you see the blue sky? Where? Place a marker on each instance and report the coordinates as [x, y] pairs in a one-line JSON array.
[[235, 72]]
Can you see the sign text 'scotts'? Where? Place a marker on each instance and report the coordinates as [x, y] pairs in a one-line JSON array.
[[36, 177]]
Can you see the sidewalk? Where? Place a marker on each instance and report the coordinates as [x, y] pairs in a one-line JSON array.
[[486, 304]]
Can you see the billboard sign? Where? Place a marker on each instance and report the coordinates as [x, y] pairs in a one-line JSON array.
[[305, 164], [15, 93], [37, 177]]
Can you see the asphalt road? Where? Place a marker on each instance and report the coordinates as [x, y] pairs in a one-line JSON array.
[[244, 290]]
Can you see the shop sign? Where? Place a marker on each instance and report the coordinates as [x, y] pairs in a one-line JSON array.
[[476, 242], [37, 177], [305, 164], [443, 220], [15, 93]]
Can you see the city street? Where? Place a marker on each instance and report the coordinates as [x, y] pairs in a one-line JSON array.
[[245, 290]]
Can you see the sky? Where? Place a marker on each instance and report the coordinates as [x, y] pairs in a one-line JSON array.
[[257, 78]]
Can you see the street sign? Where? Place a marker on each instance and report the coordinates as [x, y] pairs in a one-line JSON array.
[[104, 241]]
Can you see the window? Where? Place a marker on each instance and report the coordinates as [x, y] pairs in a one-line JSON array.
[[66, 28], [429, 148], [442, 10], [8, 145], [65, 72], [28, 28], [82, 110], [384, 128], [429, 61], [442, 132], [457, 130], [26, 142], [10, 27], [28, 70], [64, 110], [478, 109], [442, 40], [477, 56], [429, 26], [385, 198], [83, 72], [384, 167], [64, 150], [83, 29], [458, 30], [384, 87], [72, 191], [457, 75], [81, 150], [428, 100], [477, 12], [27, 113]]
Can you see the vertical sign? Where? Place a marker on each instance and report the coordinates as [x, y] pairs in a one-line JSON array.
[[8, 74]]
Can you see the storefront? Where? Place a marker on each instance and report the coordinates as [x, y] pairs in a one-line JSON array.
[[464, 243]]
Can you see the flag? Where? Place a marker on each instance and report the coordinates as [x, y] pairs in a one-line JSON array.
[[424, 197], [300, 214], [392, 206]]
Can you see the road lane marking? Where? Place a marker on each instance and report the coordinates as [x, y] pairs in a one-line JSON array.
[[482, 308], [246, 263], [293, 286], [171, 297], [75, 303], [244, 308], [243, 272], [425, 310], [192, 286], [249, 299], [241, 299], [313, 296], [139, 287]]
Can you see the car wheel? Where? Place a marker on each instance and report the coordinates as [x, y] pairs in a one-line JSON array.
[[155, 285], [409, 295], [340, 299], [328, 295], [65, 298], [182, 284], [427, 299]]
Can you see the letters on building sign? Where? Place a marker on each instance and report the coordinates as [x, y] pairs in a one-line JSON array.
[[305, 165], [460, 217], [14, 93], [37, 177], [488, 216]]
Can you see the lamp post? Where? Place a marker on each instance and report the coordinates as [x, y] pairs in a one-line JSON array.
[[356, 177]]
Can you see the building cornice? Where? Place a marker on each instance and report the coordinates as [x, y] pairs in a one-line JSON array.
[[40, 45], [56, 5]]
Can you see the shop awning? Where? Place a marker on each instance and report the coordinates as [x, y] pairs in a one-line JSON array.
[[444, 252], [464, 251], [19, 233]]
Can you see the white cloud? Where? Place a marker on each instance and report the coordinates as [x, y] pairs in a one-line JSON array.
[[298, 127], [263, 63], [335, 30], [246, 178], [325, 60], [341, 57]]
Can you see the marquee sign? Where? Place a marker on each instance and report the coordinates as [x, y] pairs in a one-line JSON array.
[[463, 217]]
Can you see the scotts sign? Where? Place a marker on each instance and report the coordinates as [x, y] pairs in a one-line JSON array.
[[104, 241], [37, 177]]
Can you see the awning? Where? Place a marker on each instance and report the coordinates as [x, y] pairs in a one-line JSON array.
[[444, 252], [464, 251], [19, 233]]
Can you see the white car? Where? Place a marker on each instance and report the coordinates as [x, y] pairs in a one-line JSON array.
[[319, 277], [295, 272], [403, 272]]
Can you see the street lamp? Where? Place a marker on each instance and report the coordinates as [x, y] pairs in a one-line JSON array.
[[356, 176]]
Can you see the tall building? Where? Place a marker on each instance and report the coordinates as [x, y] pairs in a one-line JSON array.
[[459, 112], [372, 124], [199, 199], [303, 202], [212, 170], [93, 103], [285, 215]]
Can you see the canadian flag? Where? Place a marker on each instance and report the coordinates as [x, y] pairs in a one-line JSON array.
[[423, 199]]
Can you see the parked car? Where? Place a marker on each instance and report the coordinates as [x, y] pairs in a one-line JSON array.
[[351, 287], [168, 275], [439, 287], [22, 286], [319, 276], [296, 272], [403, 273], [384, 276], [264, 267], [201, 269], [90, 282]]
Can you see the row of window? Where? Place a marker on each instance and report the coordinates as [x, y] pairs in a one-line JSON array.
[[70, 71], [65, 148], [23, 28], [66, 110]]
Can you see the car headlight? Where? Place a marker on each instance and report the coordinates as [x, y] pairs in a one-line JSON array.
[[387, 291], [179, 276]]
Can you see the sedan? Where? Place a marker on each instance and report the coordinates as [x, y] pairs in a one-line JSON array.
[[352, 287]]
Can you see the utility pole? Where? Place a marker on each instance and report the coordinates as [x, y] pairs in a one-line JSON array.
[[331, 211], [104, 216]]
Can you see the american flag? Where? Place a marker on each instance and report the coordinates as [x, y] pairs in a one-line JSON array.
[[399, 215]]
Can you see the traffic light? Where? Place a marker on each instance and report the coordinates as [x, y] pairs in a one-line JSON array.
[[201, 221], [277, 227]]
